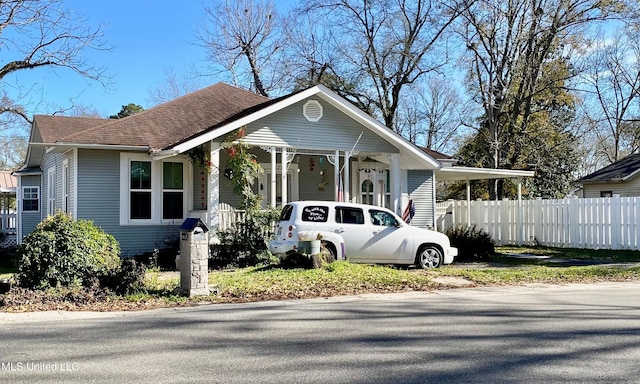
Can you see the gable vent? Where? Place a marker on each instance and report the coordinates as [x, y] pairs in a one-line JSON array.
[[312, 110]]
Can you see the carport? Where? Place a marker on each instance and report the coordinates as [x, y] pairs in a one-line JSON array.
[[454, 173]]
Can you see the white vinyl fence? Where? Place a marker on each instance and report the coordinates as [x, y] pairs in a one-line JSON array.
[[603, 223]]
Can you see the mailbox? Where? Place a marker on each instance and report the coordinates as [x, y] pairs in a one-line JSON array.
[[194, 257]]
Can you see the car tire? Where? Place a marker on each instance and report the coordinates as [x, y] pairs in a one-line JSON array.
[[429, 256], [331, 249]]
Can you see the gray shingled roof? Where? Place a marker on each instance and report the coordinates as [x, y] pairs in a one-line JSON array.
[[617, 171], [159, 127]]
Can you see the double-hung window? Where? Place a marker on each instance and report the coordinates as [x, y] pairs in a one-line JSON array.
[[30, 199], [172, 191], [152, 192], [140, 190]]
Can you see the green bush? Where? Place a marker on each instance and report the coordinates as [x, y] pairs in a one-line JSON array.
[[246, 242], [66, 252], [128, 278], [474, 244]]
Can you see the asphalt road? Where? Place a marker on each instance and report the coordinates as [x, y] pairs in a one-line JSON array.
[[538, 333]]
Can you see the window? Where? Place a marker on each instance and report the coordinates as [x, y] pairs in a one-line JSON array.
[[382, 218], [348, 215], [315, 213], [140, 190], [51, 192], [30, 199], [286, 213], [367, 192], [606, 193], [153, 192], [172, 191]]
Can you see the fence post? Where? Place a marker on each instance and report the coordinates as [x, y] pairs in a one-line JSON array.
[[616, 225]]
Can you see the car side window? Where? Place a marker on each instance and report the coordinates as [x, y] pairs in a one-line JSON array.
[[348, 215], [286, 213], [315, 213], [382, 218]]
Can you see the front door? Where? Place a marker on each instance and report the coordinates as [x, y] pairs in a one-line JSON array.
[[264, 185]]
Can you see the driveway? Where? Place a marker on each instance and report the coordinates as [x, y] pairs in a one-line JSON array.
[[522, 334]]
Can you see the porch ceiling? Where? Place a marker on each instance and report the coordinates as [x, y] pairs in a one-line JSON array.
[[469, 173]]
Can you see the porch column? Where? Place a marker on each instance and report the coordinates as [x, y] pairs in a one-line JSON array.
[[394, 180], [336, 176], [273, 181], [283, 186], [468, 203], [346, 174], [214, 186], [5, 211]]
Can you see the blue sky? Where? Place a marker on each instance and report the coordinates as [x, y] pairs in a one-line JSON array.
[[148, 36]]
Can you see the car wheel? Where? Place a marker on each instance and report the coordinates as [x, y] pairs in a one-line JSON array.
[[330, 249], [428, 257]]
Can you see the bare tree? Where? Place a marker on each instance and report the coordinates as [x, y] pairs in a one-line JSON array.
[[173, 87], [244, 39], [36, 34], [518, 60], [614, 91], [432, 114], [382, 46]]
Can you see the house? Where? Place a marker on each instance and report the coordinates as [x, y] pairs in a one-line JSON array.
[[8, 186], [621, 178], [133, 176]]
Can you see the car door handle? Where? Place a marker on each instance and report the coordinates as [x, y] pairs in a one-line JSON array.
[[376, 232], [338, 230]]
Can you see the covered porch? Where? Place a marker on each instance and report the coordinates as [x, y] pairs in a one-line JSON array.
[[8, 190], [310, 174]]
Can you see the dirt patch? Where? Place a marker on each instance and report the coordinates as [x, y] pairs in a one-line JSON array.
[[453, 282]]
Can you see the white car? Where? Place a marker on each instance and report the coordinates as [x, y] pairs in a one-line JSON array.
[[361, 234]]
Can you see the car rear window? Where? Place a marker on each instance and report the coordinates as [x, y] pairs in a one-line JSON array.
[[286, 213], [315, 213], [348, 215]]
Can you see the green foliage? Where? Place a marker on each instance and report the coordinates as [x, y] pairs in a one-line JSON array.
[[245, 243], [245, 169], [127, 279], [473, 244], [127, 110], [65, 252]]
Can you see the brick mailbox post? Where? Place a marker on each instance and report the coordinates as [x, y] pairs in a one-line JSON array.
[[194, 257]]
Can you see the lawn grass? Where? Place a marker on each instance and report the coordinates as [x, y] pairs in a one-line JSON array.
[[343, 278], [620, 256], [339, 278]]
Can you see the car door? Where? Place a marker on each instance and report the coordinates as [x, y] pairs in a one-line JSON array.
[[350, 224], [388, 243]]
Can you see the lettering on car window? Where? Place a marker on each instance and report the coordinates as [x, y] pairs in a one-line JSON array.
[[318, 214]]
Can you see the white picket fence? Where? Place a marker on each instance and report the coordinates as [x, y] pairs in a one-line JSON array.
[[603, 223]]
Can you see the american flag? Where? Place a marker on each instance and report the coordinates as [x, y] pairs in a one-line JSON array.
[[408, 213], [340, 191]]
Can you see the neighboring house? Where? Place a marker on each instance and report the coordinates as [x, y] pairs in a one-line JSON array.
[[132, 177], [621, 178], [8, 184]]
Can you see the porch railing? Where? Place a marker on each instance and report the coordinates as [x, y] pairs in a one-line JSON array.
[[8, 223], [228, 215]]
